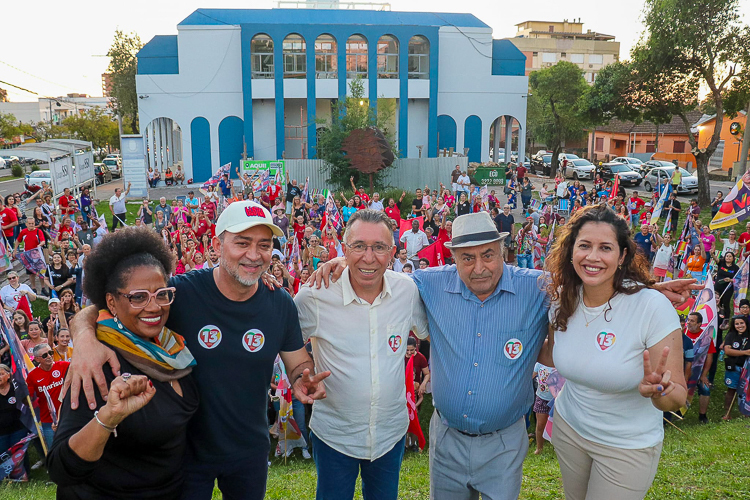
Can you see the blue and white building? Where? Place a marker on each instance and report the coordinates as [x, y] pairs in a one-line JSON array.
[[263, 79]]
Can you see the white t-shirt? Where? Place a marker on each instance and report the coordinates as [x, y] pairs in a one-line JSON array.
[[118, 204], [663, 255], [11, 295], [730, 247], [603, 365]]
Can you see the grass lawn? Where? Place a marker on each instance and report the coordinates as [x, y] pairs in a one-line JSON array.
[[710, 462]]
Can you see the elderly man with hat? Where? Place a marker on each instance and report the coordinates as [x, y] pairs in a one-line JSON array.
[[235, 328], [487, 325]]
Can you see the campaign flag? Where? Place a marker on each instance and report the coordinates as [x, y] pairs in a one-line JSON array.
[[685, 308], [555, 383], [11, 461], [735, 208], [289, 434], [33, 260], [332, 215], [214, 179], [5, 263], [23, 305], [20, 366], [705, 304], [305, 195], [405, 225], [740, 284], [669, 275], [551, 237], [434, 253], [51, 406], [615, 187], [411, 405], [660, 203], [744, 389]]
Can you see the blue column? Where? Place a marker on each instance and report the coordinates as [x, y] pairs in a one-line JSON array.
[[246, 36], [433, 109], [403, 96], [341, 58], [278, 76], [311, 103], [372, 70]]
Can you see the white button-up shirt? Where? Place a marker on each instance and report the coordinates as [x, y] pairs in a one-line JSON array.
[[363, 345], [414, 242]]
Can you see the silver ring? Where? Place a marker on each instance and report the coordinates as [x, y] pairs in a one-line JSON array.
[[126, 376]]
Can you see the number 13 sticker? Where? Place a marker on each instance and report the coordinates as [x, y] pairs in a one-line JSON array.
[[209, 336], [253, 340]]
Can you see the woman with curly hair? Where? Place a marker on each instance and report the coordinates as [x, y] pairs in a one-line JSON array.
[[617, 341], [148, 407]]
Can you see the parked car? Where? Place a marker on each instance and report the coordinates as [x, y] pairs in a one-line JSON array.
[[36, 178], [3, 164], [580, 169], [114, 165], [654, 177], [571, 156], [628, 177], [103, 173], [633, 163], [10, 160], [541, 163], [659, 163]]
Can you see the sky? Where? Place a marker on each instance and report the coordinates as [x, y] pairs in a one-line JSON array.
[[54, 50]]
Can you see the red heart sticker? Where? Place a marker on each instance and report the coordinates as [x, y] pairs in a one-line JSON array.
[[605, 340], [395, 342]]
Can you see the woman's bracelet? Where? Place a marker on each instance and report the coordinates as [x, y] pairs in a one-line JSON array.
[[110, 429]]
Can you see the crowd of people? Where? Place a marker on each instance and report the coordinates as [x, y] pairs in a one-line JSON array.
[[490, 312]]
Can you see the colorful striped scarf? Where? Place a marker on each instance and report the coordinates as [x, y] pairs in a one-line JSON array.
[[164, 359]]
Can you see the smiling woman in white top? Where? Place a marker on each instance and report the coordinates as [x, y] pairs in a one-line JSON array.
[[608, 429]]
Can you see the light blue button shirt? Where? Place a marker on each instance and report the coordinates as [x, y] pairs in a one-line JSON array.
[[483, 352]]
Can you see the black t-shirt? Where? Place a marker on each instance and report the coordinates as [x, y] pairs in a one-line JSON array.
[[10, 416], [504, 222], [740, 343], [292, 191], [464, 208], [60, 276], [144, 461], [671, 204], [86, 237], [416, 203], [235, 345]]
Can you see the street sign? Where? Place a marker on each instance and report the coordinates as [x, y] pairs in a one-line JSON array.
[[61, 171], [490, 176], [134, 165], [250, 166]]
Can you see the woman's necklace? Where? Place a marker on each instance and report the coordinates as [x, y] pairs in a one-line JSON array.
[[583, 310]]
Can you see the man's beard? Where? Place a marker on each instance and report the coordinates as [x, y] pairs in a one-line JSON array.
[[234, 272]]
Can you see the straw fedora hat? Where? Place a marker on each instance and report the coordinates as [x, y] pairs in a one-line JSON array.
[[472, 230]]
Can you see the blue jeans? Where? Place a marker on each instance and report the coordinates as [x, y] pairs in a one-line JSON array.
[[48, 434], [525, 260], [337, 473]]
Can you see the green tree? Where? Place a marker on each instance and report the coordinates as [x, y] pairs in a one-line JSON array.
[[692, 44], [555, 106], [93, 125], [123, 67], [10, 127], [738, 99], [351, 113]]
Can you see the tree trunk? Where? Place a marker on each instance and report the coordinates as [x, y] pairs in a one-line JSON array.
[[371, 188], [554, 163], [656, 141], [704, 188], [745, 144]]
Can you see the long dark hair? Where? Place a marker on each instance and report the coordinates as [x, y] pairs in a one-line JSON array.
[[733, 327], [562, 281]]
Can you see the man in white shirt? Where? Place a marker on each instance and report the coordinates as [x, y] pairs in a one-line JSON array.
[[398, 264], [463, 183], [358, 329], [117, 207], [415, 240], [376, 203]]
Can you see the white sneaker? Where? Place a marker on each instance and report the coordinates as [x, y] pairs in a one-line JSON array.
[[289, 452], [306, 454], [37, 465]]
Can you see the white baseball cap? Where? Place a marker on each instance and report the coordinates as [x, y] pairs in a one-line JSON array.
[[242, 215]]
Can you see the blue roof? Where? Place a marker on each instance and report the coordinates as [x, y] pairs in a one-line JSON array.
[[328, 16], [159, 56], [160, 46]]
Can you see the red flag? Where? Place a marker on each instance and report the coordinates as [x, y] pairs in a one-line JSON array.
[[434, 253], [411, 404], [406, 225], [615, 187], [23, 305]]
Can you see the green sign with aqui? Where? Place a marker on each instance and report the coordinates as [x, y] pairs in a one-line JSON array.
[[490, 176], [251, 166]]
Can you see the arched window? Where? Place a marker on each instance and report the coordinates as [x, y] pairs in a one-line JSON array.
[[326, 62], [293, 51], [261, 56], [356, 57], [419, 57], [388, 57]]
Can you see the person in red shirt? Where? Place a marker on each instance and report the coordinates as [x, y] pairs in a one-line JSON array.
[[520, 172], [274, 191], [745, 239], [693, 332], [9, 220], [445, 234], [636, 203], [361, 192], [393, 210], [201, 224], [299, 228], [32, 237], [47, 377], [68, 205], [209, 209]]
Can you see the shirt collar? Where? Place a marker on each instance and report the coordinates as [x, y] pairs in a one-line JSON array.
[[455, 285], [349, 295]]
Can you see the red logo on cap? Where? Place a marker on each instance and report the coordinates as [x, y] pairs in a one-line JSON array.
[[254, 212]]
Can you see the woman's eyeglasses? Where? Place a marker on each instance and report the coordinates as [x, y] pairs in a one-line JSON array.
[[139, 299]]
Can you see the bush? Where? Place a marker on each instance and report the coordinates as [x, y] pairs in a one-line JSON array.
[[16, 171], [34, 167]]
